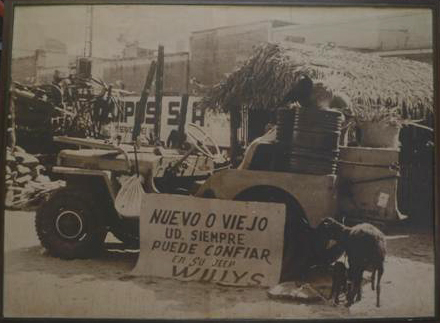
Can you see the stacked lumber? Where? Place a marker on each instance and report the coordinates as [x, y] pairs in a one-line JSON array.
[[26, 183], [367, 79]]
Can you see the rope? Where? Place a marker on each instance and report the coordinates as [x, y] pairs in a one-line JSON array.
[[394, 166], [372, 180]]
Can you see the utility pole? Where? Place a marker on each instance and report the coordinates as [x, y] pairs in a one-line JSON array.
[[88, 32]]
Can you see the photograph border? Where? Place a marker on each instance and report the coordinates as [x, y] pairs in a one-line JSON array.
[[6, 60]]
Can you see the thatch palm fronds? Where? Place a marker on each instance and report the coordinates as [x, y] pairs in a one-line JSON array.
[[368, 80]]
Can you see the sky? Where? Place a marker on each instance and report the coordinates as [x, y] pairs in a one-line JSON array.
[[170, 26]]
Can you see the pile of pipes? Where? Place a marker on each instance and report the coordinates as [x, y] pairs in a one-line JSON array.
[[26, 183]]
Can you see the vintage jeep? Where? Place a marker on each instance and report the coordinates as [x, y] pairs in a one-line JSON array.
[[75, 220]]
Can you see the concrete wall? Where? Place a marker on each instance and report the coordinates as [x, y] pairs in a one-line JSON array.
[[322, 34], [132, 72], [132, 50], [23, 69], [202, 62], [176, 73], [415, 32], [40, 67], [421, 55], [217, 52], [48, 63]]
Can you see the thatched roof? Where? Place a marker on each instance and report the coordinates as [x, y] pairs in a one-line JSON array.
[[365, 78]]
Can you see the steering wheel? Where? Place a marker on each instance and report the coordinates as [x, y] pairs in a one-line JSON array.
[[201, 140]]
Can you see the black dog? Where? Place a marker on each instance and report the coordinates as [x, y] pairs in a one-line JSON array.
[[365, 247]]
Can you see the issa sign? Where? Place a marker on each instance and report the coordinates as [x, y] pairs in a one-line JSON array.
[[214, 124]]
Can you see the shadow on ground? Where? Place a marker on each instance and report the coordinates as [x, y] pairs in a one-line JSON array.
[[114, 265], [411, 242]]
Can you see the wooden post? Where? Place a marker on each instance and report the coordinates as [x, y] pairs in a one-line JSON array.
[[234, 119], [139, 117], [182, 117], [12, 136], [159, 91], [187, 83]]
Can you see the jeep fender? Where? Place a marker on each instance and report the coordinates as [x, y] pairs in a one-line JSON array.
[[316, 194], [84, 174]]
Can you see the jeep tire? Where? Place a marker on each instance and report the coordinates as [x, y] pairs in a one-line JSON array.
[[69, 226], [127, 231]]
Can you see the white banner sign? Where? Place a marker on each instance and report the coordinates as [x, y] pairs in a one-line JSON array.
[[216, 125], [211, 240]]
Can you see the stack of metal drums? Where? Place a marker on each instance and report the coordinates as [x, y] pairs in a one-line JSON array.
[[308, 140]]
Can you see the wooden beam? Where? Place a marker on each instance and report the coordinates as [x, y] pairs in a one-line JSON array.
[[159, 91], [12, 135], [234, 121], [182, 114], [139, 117]]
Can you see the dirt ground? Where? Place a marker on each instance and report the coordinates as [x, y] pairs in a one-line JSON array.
[[37, 285]]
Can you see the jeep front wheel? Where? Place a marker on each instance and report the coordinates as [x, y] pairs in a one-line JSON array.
[[68, 225], [127, 231]]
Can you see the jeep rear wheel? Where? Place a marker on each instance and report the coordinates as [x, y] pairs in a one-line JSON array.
[[68, 225], [296, 229]]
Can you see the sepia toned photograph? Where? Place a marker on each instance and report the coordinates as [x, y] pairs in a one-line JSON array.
[[218, 161]]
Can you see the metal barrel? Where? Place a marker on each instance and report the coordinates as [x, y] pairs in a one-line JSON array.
[[309, 140]]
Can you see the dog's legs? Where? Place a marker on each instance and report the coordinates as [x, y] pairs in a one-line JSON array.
[[352, 290], [379, 277], [373, 276], [337, 293], [350, 296], [359, 285], [333, 292]]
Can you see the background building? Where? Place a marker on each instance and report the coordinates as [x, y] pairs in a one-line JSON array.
[[133, 50], [39, 67], [132, 70], [216, 52], [406, 36]]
